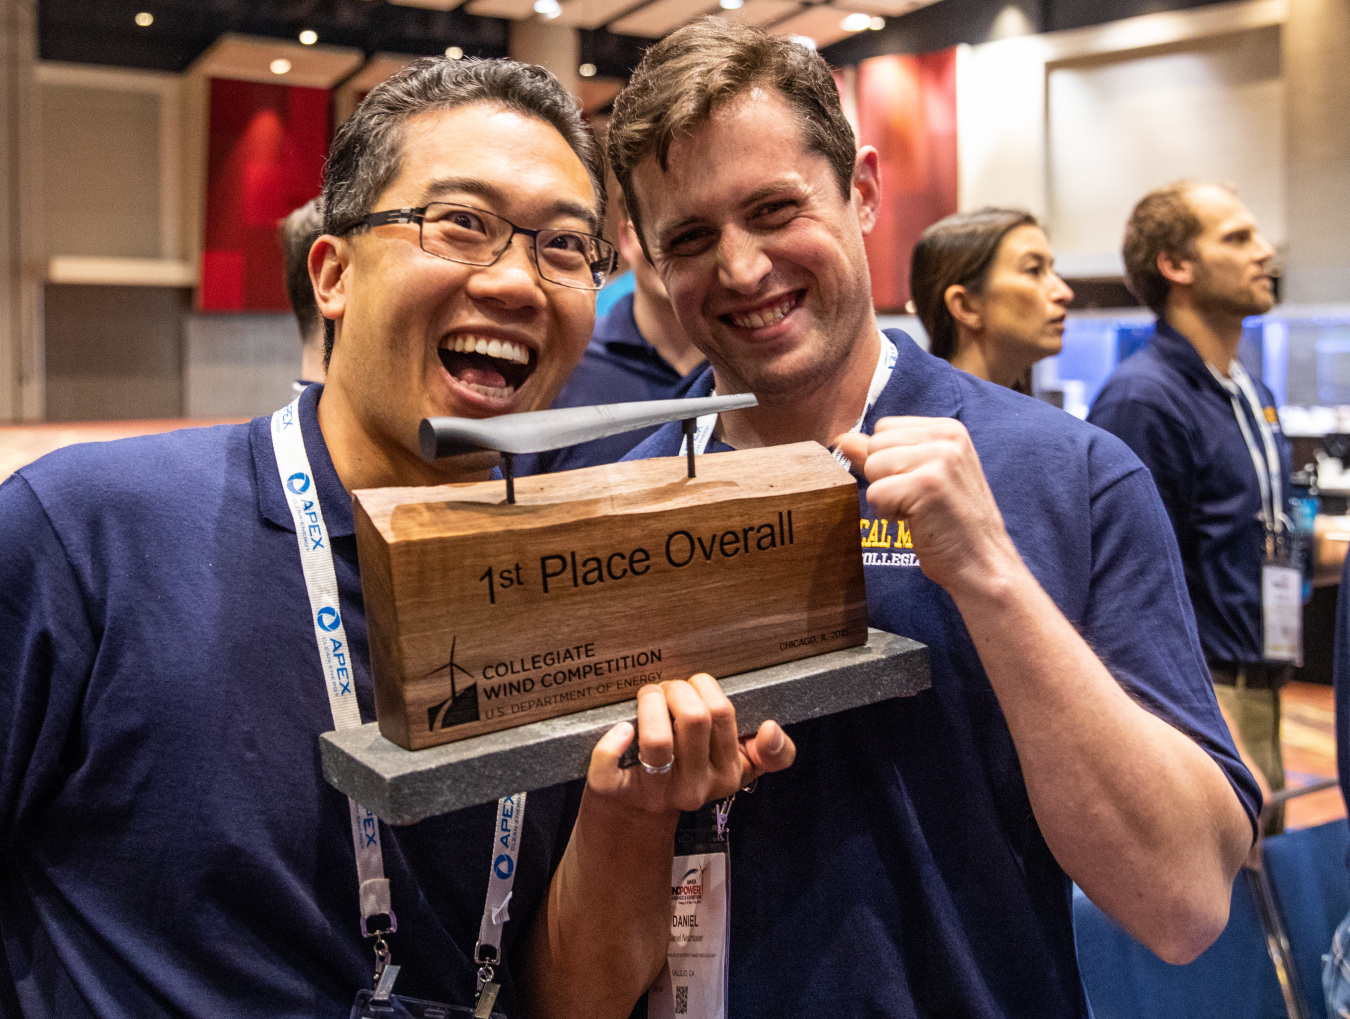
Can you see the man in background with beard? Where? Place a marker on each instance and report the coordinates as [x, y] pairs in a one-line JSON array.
[[1211, 437]]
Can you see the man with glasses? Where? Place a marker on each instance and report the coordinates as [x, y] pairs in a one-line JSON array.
[[169, 844]]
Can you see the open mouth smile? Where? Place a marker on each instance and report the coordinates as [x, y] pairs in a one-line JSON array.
[[489, 366], [767, 314]]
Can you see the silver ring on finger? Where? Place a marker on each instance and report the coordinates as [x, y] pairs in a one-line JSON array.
[[651, 769]]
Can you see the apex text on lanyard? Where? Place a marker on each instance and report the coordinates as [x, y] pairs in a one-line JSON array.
[[316, 560], [1281, 582]]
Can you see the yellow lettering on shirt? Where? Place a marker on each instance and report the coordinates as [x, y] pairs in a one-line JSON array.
[[877, 534], [1271, 415]]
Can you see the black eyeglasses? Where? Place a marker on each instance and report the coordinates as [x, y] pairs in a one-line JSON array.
[[461, 233]]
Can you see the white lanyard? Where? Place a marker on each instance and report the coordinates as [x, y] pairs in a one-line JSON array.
[[886, 359], [1239, 386], [502, 876], [316, 561]]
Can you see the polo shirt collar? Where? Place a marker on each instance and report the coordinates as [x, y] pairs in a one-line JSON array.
[[1180, 354], [921, 385], [272, 505], [618, 331], [702, 386]]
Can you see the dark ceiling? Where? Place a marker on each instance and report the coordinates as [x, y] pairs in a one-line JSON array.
[[105, 31], [952, 22]]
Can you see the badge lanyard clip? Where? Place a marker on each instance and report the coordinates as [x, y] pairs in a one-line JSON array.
[[487, 953], [486, 957], [384, 985]]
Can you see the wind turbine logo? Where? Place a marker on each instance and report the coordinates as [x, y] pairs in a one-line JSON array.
[[462, 705]]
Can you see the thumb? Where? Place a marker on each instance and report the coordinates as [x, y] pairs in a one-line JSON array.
[[770, 749], [605, 756], [854, 446]]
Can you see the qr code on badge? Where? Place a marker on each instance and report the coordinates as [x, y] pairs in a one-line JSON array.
[[681, 1000]]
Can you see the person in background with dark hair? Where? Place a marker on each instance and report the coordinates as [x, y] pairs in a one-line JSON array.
[[637, 352], [297, 235], [986, 290], [169, 846], [916, 859], [1210, 435]]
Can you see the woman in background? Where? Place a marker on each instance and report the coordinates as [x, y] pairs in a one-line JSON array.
[[985, 289]]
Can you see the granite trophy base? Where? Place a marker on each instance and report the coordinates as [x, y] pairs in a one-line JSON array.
[[404, 786]]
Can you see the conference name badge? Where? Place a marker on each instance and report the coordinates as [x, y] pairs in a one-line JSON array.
[[694, 980], [1282, 613]]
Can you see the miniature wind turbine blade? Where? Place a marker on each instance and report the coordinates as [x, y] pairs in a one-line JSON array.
[[540, 430]]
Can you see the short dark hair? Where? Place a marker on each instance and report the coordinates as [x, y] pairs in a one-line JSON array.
[[1163, 221], [366, 153], [956, 251], [297, 235], [691, 73]]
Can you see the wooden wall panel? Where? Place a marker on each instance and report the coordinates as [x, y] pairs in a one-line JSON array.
[[265, 157], [907, 109]]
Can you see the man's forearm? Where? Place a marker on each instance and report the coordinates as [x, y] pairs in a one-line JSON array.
[[1134, 810], [601, 937]]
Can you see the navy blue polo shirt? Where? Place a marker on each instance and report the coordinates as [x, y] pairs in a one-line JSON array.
[[169, 845], [896, 869], [619, 366], [1341, 681], [1167, 407]]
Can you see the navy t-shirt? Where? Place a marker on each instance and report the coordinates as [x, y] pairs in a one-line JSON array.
[[1168, 408], [169, 845], [896, 869], [619, 366]]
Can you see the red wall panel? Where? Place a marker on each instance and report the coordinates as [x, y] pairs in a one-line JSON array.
[[266, 151], [907, 109]]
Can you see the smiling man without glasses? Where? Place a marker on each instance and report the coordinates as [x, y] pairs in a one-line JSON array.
[[170, 847], [916, 860]]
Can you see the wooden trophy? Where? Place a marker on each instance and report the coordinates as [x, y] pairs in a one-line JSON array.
[[491, 605]]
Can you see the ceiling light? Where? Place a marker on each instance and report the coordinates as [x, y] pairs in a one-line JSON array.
[[280, 65], [877, 24], [731, 5], [856, 22], [803, 40], [586, 70], [454, 53], [145, 19], [309, 37]]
